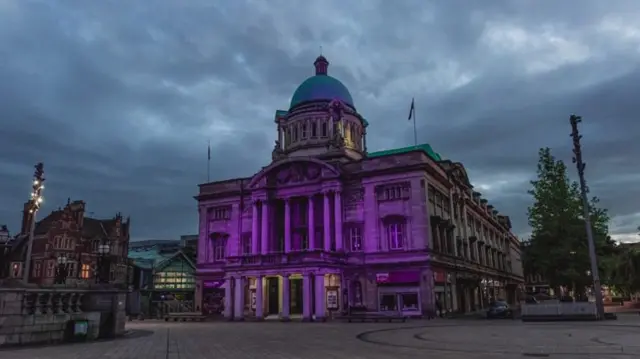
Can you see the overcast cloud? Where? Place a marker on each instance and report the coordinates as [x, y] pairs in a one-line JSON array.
[[119, 98]]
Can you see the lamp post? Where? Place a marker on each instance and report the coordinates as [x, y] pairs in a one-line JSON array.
[[34, 205], [103, 262], [577, 159], [62, 270]]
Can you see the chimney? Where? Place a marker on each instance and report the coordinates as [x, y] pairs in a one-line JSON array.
[[26, 218]]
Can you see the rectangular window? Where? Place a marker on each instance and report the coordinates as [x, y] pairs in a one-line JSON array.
[[50, 269], [304, 241], [314, 129], [324, 129], [246, 243], [395, 235], [219, 248], [389, 303], [355, 239], [393, 192], [85, 271], [221, 213], [304, 131], [37, 269], [409, 302]]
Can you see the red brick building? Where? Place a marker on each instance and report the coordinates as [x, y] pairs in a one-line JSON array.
[[68, 232]]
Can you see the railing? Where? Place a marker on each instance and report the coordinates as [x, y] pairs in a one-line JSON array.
[[52, 302], [298, 257]]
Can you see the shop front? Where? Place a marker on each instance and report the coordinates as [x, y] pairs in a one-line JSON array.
[[399, 291], [213, 297]]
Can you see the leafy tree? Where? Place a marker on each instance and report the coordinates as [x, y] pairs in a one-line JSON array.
[[558, 247]]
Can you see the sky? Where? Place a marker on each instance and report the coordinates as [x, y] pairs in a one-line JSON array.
[[120, 98]]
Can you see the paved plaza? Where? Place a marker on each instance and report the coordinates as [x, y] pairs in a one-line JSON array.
[[416, 339]]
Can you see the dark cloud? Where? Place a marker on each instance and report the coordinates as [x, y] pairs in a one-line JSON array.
[[119, 99]]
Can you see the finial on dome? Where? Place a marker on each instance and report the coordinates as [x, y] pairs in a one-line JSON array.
[[321, 65]]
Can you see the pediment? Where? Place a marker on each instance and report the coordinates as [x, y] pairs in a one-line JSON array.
[[293, 172]]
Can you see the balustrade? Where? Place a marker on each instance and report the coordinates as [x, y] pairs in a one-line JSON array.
[[52, 302]]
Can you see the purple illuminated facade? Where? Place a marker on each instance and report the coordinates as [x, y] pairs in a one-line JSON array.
[[327, 225]]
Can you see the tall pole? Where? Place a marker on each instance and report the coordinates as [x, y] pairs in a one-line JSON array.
[[577, 159], [208, 161], [34, 205], [415, 129]]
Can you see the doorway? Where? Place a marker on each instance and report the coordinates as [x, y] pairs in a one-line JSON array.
[[273, 295], [297, 300]]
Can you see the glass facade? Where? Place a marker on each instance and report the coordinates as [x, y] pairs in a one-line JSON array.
[[174, 280]]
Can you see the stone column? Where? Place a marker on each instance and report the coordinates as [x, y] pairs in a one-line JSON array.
[[311, 224], [238, 312], [327, 222], [255, 235], [320, 298], [228, 298], [265, 228], [286, 297], [287, 225], [259, 300], [338, 219], [306, 298]]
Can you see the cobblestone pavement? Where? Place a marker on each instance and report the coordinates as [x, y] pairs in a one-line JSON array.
[[446, 339]]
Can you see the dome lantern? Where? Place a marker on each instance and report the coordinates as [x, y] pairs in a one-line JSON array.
[[321, 65]]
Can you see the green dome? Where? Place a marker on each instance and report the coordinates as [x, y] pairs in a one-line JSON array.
[[321, 87]]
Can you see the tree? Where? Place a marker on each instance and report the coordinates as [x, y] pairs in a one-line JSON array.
[[558, 247]]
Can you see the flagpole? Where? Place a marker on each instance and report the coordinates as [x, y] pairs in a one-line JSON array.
[[208, 161], [415, 129]]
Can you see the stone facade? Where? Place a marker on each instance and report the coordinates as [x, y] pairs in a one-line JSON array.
[[35, 316], [327, 225]]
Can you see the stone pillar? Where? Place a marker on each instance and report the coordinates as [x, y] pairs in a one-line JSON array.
[[265, 228], [306, 298], [228, 298], [287, 225], [327, 222], [255, 235], [286, 297], [320, 298], [259, 300], [238, 312], [338, 220], [311, 224]]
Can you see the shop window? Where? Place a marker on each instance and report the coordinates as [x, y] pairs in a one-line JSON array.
[[395, 235], [389, 303], [410, 302], [355, 239]]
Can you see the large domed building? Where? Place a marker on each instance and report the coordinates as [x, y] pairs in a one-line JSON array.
[[328, 226]]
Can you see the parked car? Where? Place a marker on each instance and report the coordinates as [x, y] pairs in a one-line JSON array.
[[499, 309]]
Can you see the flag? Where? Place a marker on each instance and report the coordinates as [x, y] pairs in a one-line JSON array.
[[412, 111], [209, 151]]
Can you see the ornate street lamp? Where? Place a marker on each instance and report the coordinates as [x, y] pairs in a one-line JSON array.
[[62, 270], [104, 265], [34, 205]]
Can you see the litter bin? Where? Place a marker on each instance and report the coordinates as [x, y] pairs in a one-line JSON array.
[[77, 330]]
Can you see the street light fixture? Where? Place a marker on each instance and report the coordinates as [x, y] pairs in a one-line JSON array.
[[103, 262], [35, 202]]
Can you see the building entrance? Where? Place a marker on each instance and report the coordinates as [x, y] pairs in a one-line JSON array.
[[273, 295], [296, 296]]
